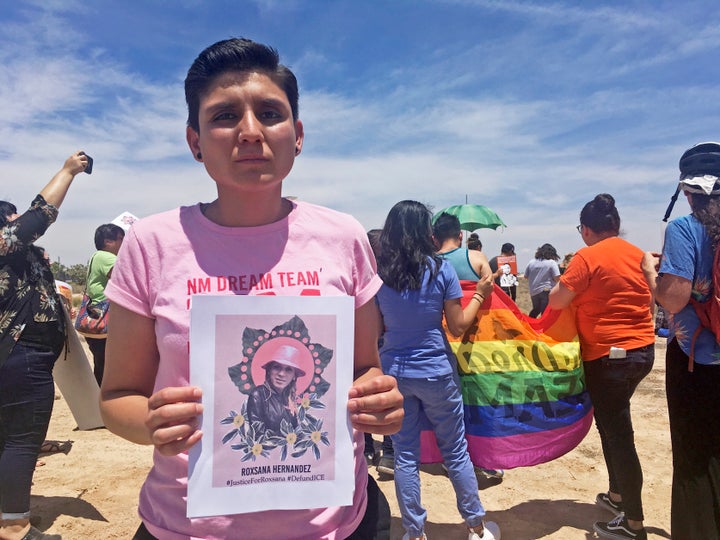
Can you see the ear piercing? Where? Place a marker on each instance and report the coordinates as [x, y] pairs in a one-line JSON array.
[[198, 155]]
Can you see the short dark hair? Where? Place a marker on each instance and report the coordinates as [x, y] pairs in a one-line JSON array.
[[507, 248], [108, 231], [7, 209], [446, 226], [600, 215], [236, 54]]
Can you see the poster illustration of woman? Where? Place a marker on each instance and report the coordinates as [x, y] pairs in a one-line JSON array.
[[275, 400], [275, 374], [281, 372]]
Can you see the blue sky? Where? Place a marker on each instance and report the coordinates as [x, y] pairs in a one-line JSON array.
[[528, 107]]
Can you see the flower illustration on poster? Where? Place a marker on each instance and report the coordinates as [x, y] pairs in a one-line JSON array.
[[281, 372]]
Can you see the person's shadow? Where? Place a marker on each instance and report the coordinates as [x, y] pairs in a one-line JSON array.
[[538, 518], [531, 520], [49, 508]]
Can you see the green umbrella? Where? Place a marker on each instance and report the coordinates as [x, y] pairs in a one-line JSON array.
[[473, 216]]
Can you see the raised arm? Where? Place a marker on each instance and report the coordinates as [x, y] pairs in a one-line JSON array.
[[56, 189]]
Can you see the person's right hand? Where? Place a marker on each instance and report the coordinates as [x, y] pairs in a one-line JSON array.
[[485, 285], [76, 163], [172, 419]]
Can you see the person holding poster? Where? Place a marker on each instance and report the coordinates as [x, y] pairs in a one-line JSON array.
[[32, 334], [243, 127], [420, 287], [505, 268]]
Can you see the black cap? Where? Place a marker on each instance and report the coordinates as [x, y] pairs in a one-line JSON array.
[[701, 159]]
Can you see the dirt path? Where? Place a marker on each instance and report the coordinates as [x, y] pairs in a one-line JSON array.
[[92, 491]]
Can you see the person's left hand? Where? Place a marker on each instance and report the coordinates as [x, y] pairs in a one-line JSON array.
[[376, 405]]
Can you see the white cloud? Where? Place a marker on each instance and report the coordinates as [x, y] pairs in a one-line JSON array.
[[533, 118]]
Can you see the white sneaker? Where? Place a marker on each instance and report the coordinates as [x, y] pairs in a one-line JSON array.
[[491, 532], [489, 473], [406, 536]]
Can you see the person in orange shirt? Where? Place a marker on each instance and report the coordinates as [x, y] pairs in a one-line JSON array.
[[605, 283]]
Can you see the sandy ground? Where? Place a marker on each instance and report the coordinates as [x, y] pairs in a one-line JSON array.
[[92, 491]]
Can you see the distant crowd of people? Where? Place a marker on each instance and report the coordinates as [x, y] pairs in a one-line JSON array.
[[244, 130]]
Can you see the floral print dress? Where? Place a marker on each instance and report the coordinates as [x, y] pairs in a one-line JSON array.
[[27, 286]]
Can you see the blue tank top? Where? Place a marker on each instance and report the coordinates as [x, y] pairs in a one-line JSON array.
[[459, 258]]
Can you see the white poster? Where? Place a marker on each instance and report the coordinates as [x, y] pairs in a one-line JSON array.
[[76, 382], [275, 372], [125, 220]]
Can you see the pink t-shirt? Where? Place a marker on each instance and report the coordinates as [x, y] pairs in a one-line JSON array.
[[168, 257]]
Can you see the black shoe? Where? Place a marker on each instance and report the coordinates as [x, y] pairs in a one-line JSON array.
[[604, 500], [386, 465], [618, 529]]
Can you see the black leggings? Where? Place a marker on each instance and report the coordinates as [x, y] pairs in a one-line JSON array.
[[693, 403], [375, 524], [611, 383], [97, 348]]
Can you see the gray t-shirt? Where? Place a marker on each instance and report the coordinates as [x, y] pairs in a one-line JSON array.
[[541, 274]]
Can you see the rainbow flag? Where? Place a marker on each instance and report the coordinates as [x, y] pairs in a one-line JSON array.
[[522, 384]]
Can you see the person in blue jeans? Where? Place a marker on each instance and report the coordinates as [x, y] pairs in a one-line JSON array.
[[419, 288], [32, 334]]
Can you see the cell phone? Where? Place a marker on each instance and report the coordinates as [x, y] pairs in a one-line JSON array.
[[88, 169]]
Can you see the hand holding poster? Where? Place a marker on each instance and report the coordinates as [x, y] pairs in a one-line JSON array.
[[73, 374], [275, 374]]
